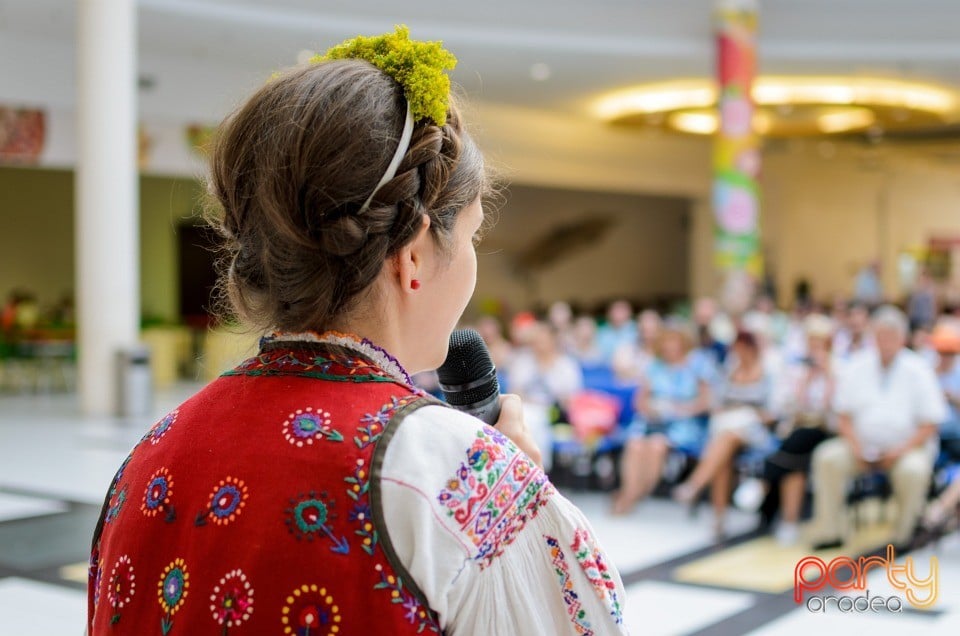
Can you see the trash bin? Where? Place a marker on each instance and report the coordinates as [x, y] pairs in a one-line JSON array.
[[134, 382]]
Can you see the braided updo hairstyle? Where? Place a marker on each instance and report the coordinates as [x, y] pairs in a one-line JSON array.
[[290, 170]]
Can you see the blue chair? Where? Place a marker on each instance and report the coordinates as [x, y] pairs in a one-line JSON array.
[[597, 376]]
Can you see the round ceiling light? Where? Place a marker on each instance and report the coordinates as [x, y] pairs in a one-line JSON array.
[[788, 106]]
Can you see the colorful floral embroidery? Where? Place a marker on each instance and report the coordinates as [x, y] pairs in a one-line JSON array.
[[159, 491], [300, 361], [232, 600], [367, 349], [116, 504], [358, 491], [415, 613], [226, 502], [494, 493], [306, 425], [360, 512], [310, 611], [120, 586], [160, 428], [591, 559], [577, 614], [172, 591], [95, 576], [119, 475], [374, 423], [308, 517]]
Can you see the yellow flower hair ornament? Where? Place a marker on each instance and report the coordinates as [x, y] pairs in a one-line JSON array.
[[419, 67]]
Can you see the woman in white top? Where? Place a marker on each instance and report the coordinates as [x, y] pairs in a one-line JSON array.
[[544, 374], [739, 421]]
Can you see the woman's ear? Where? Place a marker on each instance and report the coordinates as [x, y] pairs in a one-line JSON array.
[[411, 259]]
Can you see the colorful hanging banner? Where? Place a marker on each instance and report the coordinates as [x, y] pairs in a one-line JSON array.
[[22, 135], [736, 150]]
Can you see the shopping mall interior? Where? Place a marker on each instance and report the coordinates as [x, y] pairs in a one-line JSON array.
[[769, 179]]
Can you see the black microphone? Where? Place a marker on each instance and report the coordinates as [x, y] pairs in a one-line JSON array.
[[468, 378]]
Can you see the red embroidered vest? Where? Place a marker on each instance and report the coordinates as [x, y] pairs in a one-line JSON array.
[[254, 508]]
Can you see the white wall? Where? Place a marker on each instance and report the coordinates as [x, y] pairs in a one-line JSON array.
[[819, 214], [36, 236], [644, 254], [830, 215]]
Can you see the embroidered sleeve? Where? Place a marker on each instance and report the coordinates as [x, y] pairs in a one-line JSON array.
[[490, 542]]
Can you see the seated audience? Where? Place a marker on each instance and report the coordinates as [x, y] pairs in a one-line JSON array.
[[620, 329], [940, 510], [672, 394], [889, 406], [946, 342], [921, 345], [708, 323], [808, 421], [560, 316], [922, 307], [544, 374], [630, 360], [854, 334], [500, 349], [738, 421], [584, 346], [545, 378], [521, 328]]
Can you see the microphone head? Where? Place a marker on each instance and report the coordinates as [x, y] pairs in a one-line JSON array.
[[467, 376]]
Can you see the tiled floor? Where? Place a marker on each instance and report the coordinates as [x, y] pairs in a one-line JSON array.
[[54, 468]]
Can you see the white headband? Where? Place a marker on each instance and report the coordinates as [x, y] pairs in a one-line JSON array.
[[402, 148]]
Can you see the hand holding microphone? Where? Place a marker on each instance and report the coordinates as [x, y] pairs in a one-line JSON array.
[[468, 380], [512, 425]]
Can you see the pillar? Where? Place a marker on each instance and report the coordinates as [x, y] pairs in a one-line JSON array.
[[736, 151], [107, 199]]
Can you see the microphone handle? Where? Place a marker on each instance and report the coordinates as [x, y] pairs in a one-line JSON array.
[[488, 411]]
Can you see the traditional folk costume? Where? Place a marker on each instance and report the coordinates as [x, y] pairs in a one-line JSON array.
[[314, 491]]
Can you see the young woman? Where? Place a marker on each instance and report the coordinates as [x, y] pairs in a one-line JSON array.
[[671, 397], [313, 490], [737, 422]]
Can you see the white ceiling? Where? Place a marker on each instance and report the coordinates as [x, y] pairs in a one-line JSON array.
[[203, 55]]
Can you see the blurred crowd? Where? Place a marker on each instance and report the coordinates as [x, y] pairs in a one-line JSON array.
[[786, 413]]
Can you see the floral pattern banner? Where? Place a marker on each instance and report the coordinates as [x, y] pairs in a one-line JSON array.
[[736, 155], [22, 135]]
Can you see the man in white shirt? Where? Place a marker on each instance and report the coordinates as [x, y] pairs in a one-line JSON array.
[[889, 406]]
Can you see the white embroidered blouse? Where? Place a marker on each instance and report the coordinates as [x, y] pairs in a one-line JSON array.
[[492, 545]]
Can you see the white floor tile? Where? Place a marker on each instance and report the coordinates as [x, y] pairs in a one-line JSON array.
[[657, 531], [20, 507], [661, 609], [800, 622], [28, 608]]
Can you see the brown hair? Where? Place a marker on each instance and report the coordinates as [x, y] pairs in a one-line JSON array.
[[673, 328], [747, 339], [290, 170]]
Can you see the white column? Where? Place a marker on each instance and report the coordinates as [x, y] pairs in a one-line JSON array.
[[107, 196]]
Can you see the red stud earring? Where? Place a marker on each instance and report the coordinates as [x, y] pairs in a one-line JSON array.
[[414, 284]]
